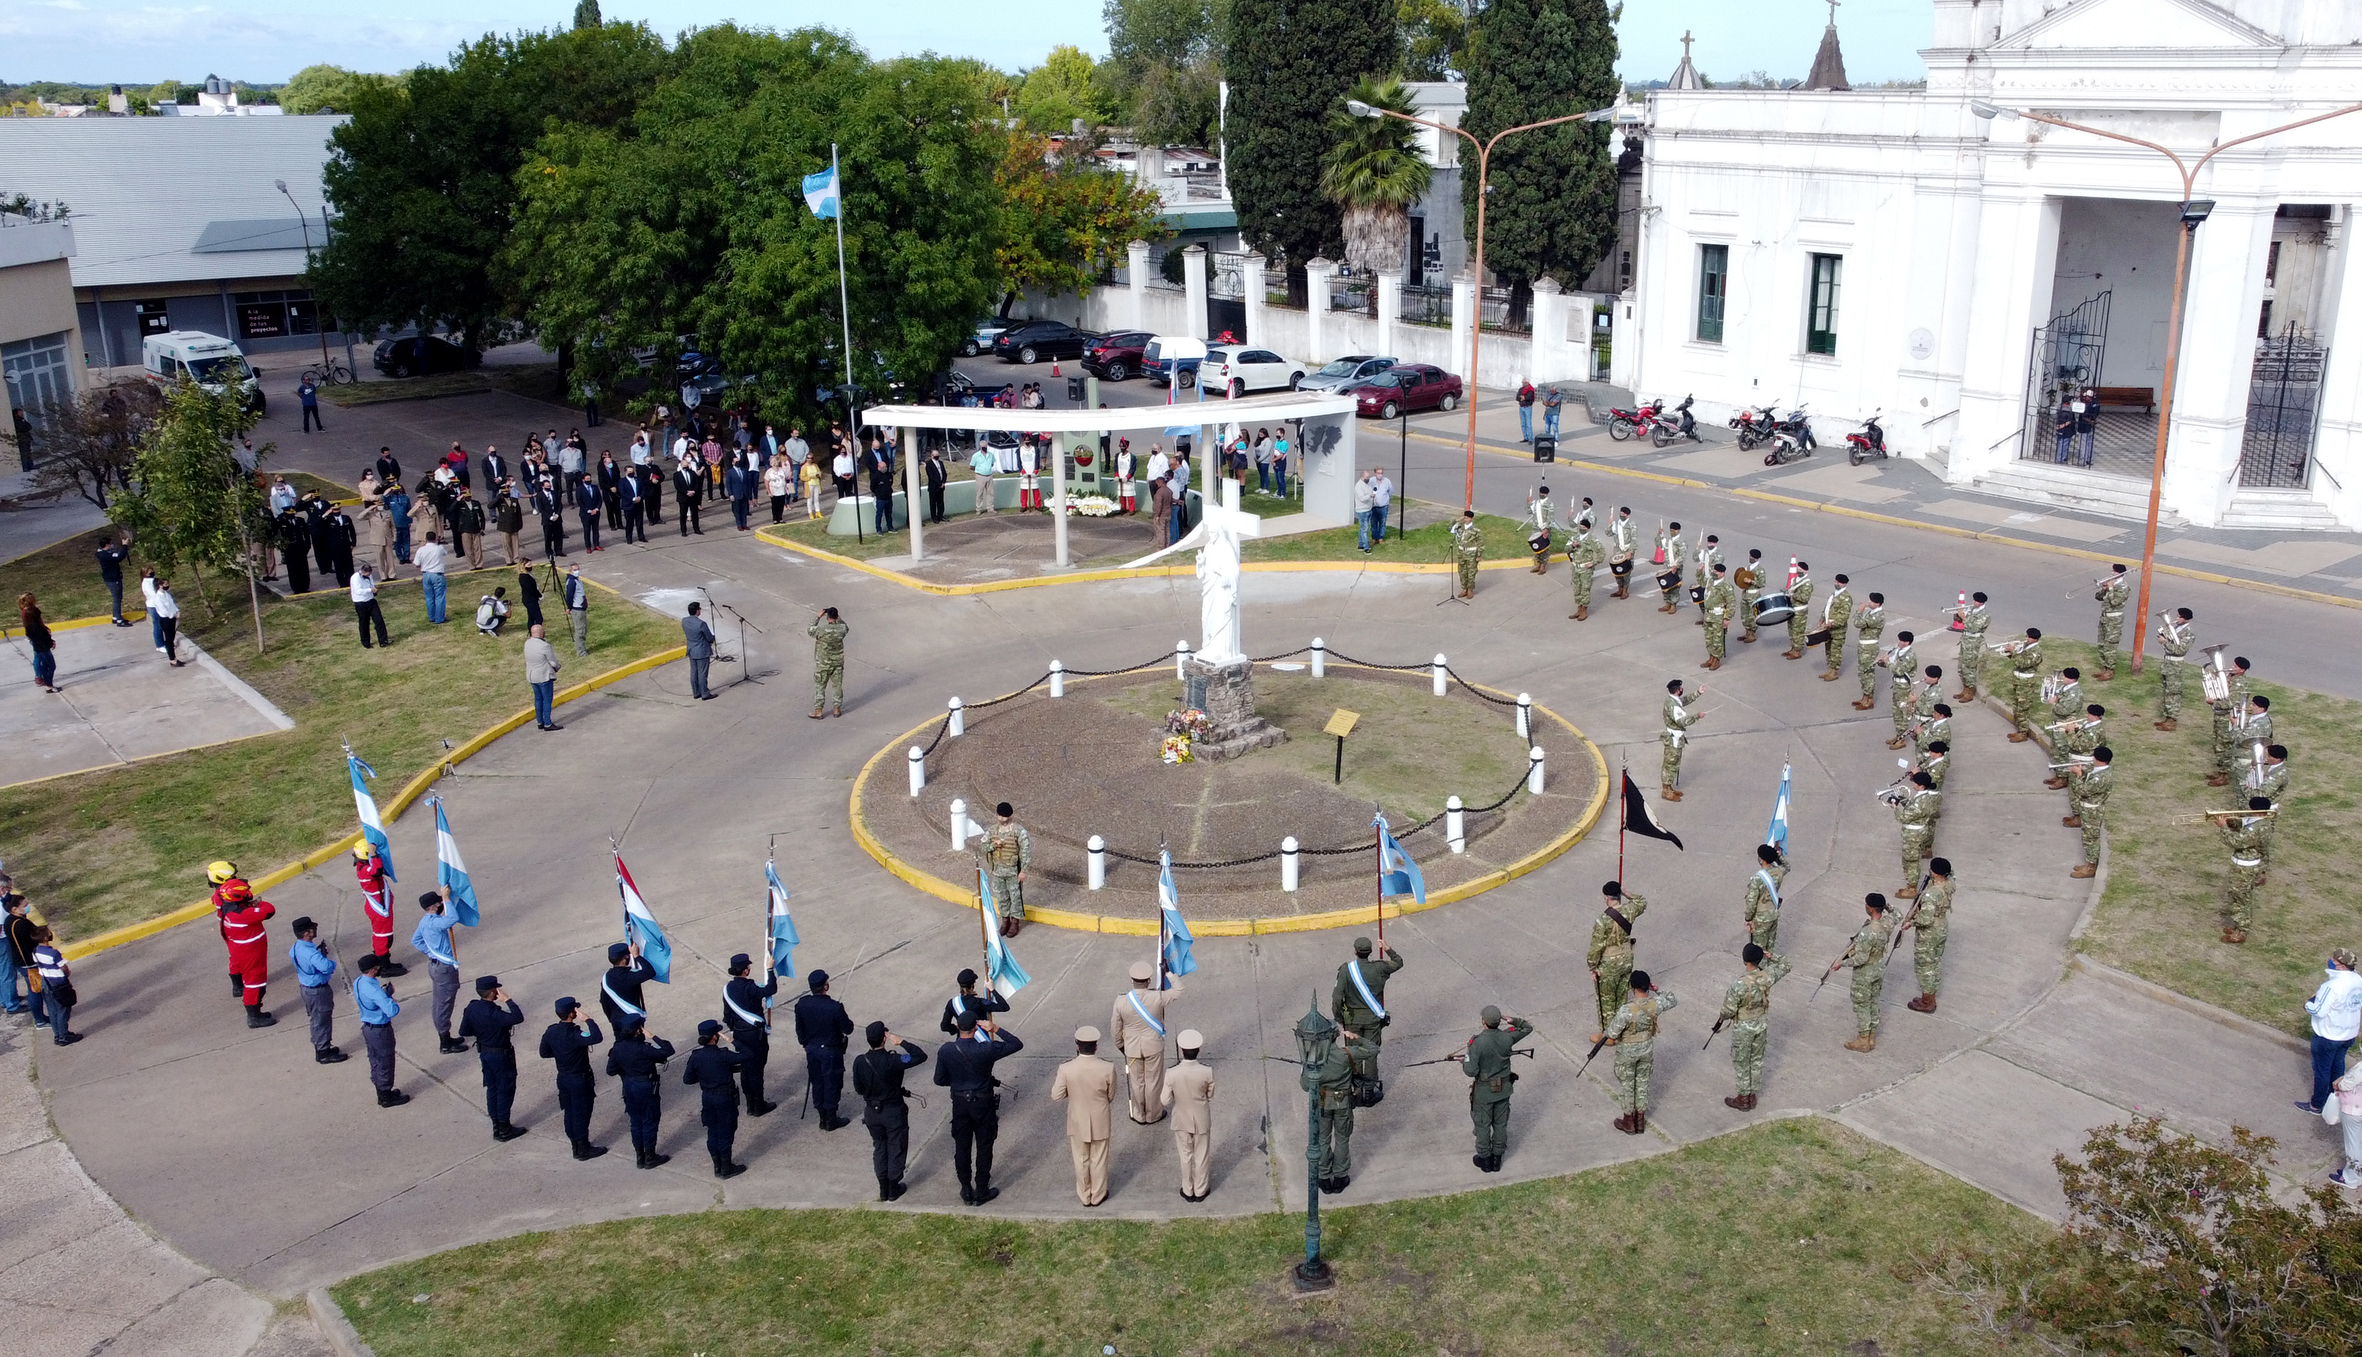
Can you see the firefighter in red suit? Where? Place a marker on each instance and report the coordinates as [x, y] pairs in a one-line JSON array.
[[378, 903], [249, 941], [218, 875]]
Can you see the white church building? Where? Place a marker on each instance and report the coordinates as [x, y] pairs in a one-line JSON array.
[[1890, 250]]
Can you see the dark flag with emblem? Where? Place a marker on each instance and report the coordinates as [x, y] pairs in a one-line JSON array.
[[1638, 819]]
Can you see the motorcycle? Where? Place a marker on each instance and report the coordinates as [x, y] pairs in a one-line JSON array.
[[1622, 424], [1664, 429], [1869, 442], [1791, 439], [1754, 426]]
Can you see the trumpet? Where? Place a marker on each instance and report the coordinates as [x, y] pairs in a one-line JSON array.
[[2006, 647], [2223, 816]]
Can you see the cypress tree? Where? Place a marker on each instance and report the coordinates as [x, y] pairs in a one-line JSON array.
[[1553, 207], [1289, 63]]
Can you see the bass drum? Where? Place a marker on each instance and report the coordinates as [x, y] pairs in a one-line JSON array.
[[1773, 609]]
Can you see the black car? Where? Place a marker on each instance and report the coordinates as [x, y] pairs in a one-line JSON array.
[[416, 354], [1035, 340]]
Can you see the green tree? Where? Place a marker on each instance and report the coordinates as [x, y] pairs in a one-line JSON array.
[[424, 176], [329, 89], [1553, 205], [1434, 38], [586, 14], [1373, 171], [91, 441], [190, 502], [1304, 55], [1065, 220], [1164, 68], [1063, 88]]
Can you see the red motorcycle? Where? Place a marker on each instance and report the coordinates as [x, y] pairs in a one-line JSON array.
[[1754, 426], [1868, 443], [1623, 424]]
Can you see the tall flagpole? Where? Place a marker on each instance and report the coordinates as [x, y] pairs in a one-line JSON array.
[[845, 314], [1378, 839], [1623, 780], [983, 936]]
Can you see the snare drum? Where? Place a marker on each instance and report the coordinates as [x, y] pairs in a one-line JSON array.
[[1773, 609], [1697, 593], [1538, 541], [1669, 580], [1619, 568]]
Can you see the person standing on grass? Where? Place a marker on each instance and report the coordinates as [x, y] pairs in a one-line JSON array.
[[37, 635], [1279, 461], [432, 560], [366, 612], [111, 552], [541, 674], [529, 593], [166, 610], [315, 976], [2336, 1009], [1382, 500], [508, 518]]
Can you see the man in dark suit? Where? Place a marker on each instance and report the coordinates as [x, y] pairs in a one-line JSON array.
[[880, 462], [738, 484], [496, 469], [336, 532], [652, 492], [551, 510], [588, 504], [689, 489], [822, 1029], [937, 475], [631, 513], [700, 637]]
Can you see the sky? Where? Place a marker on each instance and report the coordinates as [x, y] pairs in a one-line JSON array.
[[138, 42]]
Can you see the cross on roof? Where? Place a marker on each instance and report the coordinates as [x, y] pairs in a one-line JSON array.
[[1833, 13], [1685, 40]]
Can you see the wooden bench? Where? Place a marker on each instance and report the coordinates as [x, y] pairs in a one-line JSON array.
[[2143, 396]]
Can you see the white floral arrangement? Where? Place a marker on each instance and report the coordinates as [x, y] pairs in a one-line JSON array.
[[1091, 506]]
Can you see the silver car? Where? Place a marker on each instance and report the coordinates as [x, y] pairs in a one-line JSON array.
[[1345, 373]]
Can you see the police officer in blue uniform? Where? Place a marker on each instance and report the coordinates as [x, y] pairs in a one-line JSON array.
[[713, 1068], [744, 1008], [877, 1081], [619, 990], [490, 1019], [568, 1041], [969, 1001], [965, 1067], [638, 1060], [822, 1029]]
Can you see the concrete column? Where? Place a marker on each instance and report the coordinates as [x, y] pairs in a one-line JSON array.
[[1319, 275], [1464, 297], [2338, 444], [1389, 309], [1136, 275], [2226, 294], [1251, 282], [2017, 256], [1549, 360], [1193, 287], [915, 492]]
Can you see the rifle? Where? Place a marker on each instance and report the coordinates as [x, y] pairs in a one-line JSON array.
[[1718, 1022], [1916, 897], [1596, 1048], [1841, 956], [1517, 1050]]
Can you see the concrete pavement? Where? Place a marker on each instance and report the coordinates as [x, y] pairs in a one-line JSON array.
[[118, 701]]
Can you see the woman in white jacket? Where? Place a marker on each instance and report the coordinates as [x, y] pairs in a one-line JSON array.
[[2336, 1009]]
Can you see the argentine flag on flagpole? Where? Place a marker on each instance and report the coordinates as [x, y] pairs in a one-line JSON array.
[[1397, 874], [783, 928], [1778, 830], [1176, 937], [451, 873], [820, 193], [640, 926], [372, 827], [1001, 970]]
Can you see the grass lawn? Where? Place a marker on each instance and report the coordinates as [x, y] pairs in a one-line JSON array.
[[2168, 882], [112, 847], [1429, 541], [1774, 1240]]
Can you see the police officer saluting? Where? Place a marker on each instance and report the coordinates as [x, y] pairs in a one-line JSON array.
[[1358, 1002], [638, 1060], [965, 1067], [568, 1041], [822, 1026], [491, 1018], [714, 1070], [877, 1081], [743, 1004]]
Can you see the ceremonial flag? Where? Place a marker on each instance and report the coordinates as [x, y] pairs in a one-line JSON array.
[[1001, 970], [1778, 831], [1637, 817], [640, 926], [372, 828], [783, 928], [1397, 874], [1174, 931], [459, 894], [820, 193]]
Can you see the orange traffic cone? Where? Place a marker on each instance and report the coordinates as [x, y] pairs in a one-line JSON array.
[[1053, 368]]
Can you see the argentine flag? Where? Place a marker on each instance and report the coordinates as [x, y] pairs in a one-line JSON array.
[[820, 193], [783, 928], [640, 926], [1778, 830], [1001, 970], [372, 828], [459, 894], [1174, 947], [1397, 874]]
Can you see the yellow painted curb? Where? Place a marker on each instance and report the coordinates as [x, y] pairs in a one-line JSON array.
[[391, 810], [1230, 928]]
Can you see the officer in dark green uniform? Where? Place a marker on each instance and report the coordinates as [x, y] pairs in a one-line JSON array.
[[1359, 1005], [1487, 1064]]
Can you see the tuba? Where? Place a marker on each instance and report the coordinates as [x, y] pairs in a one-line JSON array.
[[2214, 674]]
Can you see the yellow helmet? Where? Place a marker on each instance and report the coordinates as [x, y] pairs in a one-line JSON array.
[[362, 850], [218, 872]]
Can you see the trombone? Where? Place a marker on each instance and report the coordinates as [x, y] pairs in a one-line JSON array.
[[2223, 817]]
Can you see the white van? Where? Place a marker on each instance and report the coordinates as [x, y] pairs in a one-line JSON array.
[[210, 361]]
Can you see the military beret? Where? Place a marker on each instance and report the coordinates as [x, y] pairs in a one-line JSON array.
[[708, 1028], [1361, 946], [1641, 984], [485, 984], [1751, 954], [1004, 809], [1491, 1014], [1142, 971], [1087, 1033]]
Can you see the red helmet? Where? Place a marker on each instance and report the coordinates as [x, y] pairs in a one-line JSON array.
[[235, 892]]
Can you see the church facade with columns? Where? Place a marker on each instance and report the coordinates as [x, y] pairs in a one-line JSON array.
[[2000, 288]]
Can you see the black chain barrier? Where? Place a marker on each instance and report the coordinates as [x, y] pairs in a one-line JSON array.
[[1427, 823]]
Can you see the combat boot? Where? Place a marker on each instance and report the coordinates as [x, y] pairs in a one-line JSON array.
[[1640, 1123], [1744, 1102], [256, 1017], [1711, 663], [1907, 893], [657, 1161], [2084, 870], [2218, 779], [2019, 737], [1669, 793], [2056, 784], [237, 985], [1623, 1123], [392, 1097], [1966, 694], [2168, 724], [2234, 935], [818, 713], [1583, 612], [1864, 703], [1897, 742], [723, 1168], [1864, 1042], [2105, 676], [1791, 654], [583, 1149], [2071, 821], [1925, 1003]]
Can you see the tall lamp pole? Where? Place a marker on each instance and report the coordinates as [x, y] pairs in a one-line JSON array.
[[2193, 211], [1484, 165], [306, 223], [1314, 1037]]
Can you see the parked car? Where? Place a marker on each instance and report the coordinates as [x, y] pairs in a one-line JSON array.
[[1034, 340], [1407, 387], [1344, 374], [1238, 371], [1114, 357], [987, 330], [414, 355]]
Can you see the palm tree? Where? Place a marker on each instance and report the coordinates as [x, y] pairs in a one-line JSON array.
[[1373, 170]]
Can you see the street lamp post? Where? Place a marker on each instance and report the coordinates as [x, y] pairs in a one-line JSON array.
[[1484, 164], [2193, 211], [1315, 1036], [306, 223]]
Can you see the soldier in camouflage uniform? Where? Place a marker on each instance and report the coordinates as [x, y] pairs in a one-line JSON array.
[[1902, 687], [1584, 554], [1935, 718], [1610, 954], [1358, 1002], [2252, 729], [1709, 569], [1676, 555], [2089, 798], [1634, 1032], [2249, 837], [1540, 517], [1467, 551], [1936, 762], [1720, 602], [1328, 1075], [2025, 684], [1867, 956], [1869, 626], [1800, 594], [1917, 813], [2077, 737], [1763, 897], [2233, 706], [1931, 925], [2273, 784], [1008, 851], [1973, 621], [1746, 1005], [2174, 638], [2111, 597], [2067, 703], [1836, 615], [1487, 1065], [1749, 578], [1675, 734], [828, 660]]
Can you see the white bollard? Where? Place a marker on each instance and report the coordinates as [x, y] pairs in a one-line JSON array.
[[1320, 658], [1057, 679], [1441, 677], [959, 826], [1525, 717], [1181, 661], [959, 719], [918, 770], [1287, 864], [1533, 770], [1098, 847], [1455, 824]]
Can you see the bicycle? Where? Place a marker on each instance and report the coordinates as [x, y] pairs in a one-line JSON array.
[[329, 373]]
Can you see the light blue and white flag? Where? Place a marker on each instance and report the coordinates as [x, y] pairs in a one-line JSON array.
[[1778, 830], [1397, 874], [783, 928], [1001, 970], [820, 193], [459, 894], [1173, 933], [372, 827], [640, 926]]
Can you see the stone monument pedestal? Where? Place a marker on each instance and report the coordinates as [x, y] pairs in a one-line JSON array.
[[1226, 694]]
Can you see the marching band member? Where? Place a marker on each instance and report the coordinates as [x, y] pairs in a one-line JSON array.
[[2110, 595], [1899, 661], [2025, 657], [1836, 611], [1709, 556], [1678, 719], [2088, 806], [1800, 593], [2174, 637], [1672, 551], [1749, 579], [1869, 625], [1972, 620], [1619, 561], [2228, 703], [1541, 526]]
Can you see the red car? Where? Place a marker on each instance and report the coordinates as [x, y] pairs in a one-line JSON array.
[[1408, 387], [1113, 357]]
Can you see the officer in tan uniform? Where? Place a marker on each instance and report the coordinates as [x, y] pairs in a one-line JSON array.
[[1189, 1095], [1086, 1084], [1139, 1026]]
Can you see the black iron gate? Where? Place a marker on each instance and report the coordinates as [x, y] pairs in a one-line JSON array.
[[2066, 357], [2283, 405]]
